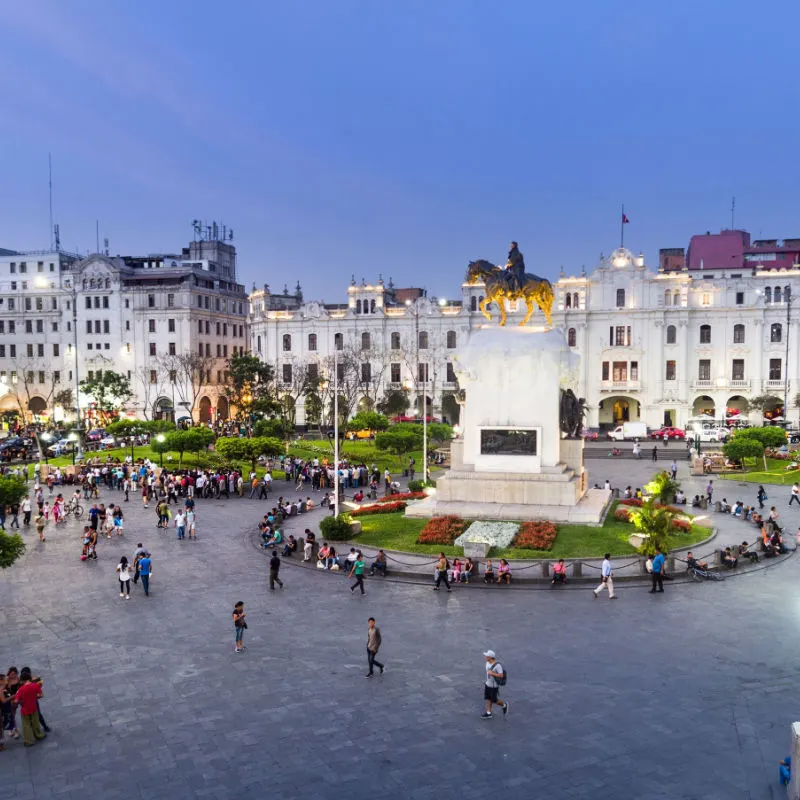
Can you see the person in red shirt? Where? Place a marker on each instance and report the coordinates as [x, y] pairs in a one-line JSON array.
[[27, 695]]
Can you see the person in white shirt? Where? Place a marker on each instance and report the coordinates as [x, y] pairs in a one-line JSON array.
[[607, 581], [795, 498]]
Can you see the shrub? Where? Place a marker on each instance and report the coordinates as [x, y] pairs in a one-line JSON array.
[[391, 498], [442, 530], [622, 514], [379, 508], [631, 501], [536, 535], [336, 528], [681, 525], [415, 486]]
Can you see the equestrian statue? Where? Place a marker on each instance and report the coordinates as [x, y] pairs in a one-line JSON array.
[[511, 283]]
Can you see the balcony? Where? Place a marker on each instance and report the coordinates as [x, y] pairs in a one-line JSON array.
[[771, 383], [702, 384], [626, 385], [737, 383]]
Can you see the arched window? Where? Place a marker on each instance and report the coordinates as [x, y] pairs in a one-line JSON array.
[[451, 340], [365, 343], [620, 298], [668, 298], [287, 342], [258, 345], [705, 334], [672, 334], [768, 295], [338, 341], [473, 303], [312, 341], [676, 298], [572, 337], [423, 340], [775, 332], [738, 334], [776, 294], [568, 301], [575, 302], [358, 306], [787, 293], [371, 306], [395, 340]]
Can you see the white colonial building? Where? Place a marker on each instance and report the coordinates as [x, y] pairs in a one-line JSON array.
[[655, 346]]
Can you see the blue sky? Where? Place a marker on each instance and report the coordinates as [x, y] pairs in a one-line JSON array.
[[347, 137]]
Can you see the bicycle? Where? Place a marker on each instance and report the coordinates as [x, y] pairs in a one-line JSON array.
[[73, 508]]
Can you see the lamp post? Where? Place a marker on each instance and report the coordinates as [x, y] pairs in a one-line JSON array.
[[160, 439], [423, 379], [335, 433], [73, 437]]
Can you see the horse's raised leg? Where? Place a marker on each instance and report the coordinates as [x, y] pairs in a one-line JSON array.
[[530, 304], [482, 306], [501, 301]]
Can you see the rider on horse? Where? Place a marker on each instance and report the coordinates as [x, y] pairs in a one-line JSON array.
[[515, 268]]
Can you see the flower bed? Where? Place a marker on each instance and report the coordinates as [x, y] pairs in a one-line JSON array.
[[536, 535], [379, 508], [622, 514], [633, 501], [391, 498], [441, 530], [681, 525], [495, 534]]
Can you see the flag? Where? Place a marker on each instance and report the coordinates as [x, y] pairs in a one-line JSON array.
[[625, 220]]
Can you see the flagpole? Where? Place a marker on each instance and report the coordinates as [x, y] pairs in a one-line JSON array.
[[622, 227]]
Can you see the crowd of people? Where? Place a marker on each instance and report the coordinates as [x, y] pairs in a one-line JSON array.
[[20, 692]]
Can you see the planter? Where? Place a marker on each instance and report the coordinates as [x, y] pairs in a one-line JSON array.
[[355, 527], [637, 539], [476, 549]]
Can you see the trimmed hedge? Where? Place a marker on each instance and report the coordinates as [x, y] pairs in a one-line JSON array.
[[336, 529], [379, 508]]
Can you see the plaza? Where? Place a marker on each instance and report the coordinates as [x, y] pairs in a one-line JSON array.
[[689, 695]]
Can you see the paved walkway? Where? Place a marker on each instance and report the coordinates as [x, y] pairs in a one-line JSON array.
[[688, 695]]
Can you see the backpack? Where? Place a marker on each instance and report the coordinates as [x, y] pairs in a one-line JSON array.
[[501, 681]]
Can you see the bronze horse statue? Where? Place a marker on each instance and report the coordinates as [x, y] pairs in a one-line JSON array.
[[535, 291]]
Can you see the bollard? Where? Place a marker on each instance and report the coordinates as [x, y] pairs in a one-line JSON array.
[[545, 569], [576, 569], [704, 503], [794, 782]]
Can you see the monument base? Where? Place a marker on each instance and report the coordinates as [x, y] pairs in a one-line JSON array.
[[590, 510]]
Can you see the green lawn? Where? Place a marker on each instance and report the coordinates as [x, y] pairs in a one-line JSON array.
[[776, 473], [396, 532]]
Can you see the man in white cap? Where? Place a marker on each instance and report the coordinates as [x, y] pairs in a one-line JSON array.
[[495, 677]]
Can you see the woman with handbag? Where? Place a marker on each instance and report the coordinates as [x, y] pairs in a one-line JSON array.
[[239, 625]]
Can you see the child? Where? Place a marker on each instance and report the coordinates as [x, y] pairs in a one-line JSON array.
[[504, 572], [488, 575], [785, 771], [46, 511], [456, 571]]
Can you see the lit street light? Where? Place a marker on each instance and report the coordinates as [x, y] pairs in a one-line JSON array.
[[74, 438], [160, 439]]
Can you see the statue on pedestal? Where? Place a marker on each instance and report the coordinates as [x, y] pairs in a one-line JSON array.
[[571, 413], [511, 283]]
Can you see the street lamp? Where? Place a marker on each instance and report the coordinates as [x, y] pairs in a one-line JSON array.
[[74, 438], [43, 450], [160, 439]]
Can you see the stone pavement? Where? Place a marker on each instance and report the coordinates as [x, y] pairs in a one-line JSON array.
[[689, 695]]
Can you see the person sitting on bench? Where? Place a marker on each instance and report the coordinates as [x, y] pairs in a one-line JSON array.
[[696, 501], [559, 572], [358, 496], [729, 559], [745, 551], [693, 563], [680, 498], [724, 506], [379, 564], [290, 547]]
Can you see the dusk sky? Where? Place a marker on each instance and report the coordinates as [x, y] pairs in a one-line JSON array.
[[345, 137]]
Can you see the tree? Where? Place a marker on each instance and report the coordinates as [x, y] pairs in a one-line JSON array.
[[150, 379], [235, 448], [662, 487], [762, 402], [400, 439], [272, 428], [769, 436], [108, 389], [439, 432], [654, 523], [190, 373], [12, 490], [249, 386], [393, 403], [11, 548], [368, 421], [740, 447], [191, 440], [34, 381], [64, 398], [288, 392]]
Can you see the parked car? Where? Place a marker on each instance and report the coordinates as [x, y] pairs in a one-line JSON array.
[[108, 441], [95, 435], [61, 447], [672, 433]]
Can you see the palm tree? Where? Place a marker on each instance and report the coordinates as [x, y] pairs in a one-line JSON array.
[[653, 523], [663, 487]]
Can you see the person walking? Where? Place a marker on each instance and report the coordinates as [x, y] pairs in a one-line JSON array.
[[710, 490], [26, 511], [145, 571], [239, 625], [124, 573], [358, 571], [674, 469], [274, 568], [795, 498], [40, 522], [26, 698], [495, 676], [761, 496], [441, 573], [658, 572], [137, 554], [655, 452], [607, 579], [373, 645]]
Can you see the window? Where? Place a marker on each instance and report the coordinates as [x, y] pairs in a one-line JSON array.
[[2, 351], [171, 348], [669, 373], [366, 372], [365, 341], [620, 298], [312, 342], [338, 341], [775, 332], [29, 350], [450, 375], [40, 349], [422, 373], [219, 329], [672, 334], [151, 326], [313, 373], [88, 326], [23, 267], [12, 326], [29, 376], [620, 336], [619, 371], [127, 303], [53, 304], [200, 326], [170, 301], [170, 326], [90, 346], [287, 342], [208, 350], [56, 376], [2, 326], [105, 301], [668, 298], [225, 350], [737, 369], [423, 340], [705, 334], [258, 343], [340, 372], [768, 295], [39, 303], [28, 326], [152, 348], [774, 369], [106, 346], [776, 294], [127, 324], [88, 302], [473, 303], [451, 340], [287, 373], [572, 337], [10, 303], [394, 373], [151, 301], [568, 301], [704, 369], [219, 350], [28, 304], [97, 302], [200, 349], [208, 328], [173, 375], [224, 328], [54, 327], [395, 340], [153, 376], [13, 267], [605, 371], [106, 326], [128, 347], [738, 334], [705, 299], [97, 326], [41, 376]]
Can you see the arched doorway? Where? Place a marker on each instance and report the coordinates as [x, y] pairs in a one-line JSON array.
[[204, 410], [736, 410], [37, 405], [704, 405], [774, 409], [163, 409], [223, 407], [616, 410]]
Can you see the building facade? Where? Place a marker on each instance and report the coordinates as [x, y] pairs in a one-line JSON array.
[[658, 346]]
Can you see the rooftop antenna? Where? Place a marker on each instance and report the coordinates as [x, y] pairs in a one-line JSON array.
[[733, 214], [105, 246], [97, 236], [57, 235], [50, 184]]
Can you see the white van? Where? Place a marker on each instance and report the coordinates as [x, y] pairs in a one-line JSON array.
[[629, 431]]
